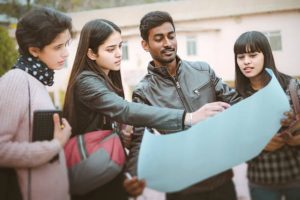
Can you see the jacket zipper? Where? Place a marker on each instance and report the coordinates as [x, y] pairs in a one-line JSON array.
[[181, 95]]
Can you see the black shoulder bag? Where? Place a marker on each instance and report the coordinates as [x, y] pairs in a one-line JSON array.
[[9, 185]]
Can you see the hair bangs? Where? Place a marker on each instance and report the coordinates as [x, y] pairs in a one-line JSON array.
[[245, 44]]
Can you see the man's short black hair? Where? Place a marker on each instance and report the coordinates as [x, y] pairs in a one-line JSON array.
[[152, 20]]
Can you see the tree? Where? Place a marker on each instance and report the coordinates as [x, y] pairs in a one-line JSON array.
[[8, 51], [78, 5], [13, 8]]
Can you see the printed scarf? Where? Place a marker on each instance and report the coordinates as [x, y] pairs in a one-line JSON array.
[[36, 68]]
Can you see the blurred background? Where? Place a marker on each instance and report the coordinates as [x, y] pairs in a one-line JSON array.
[[206, 30]]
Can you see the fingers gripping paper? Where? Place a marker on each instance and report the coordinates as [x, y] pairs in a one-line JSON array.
[[173, 162]]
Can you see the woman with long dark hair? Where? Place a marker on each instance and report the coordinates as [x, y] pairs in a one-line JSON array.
[[276, 171]]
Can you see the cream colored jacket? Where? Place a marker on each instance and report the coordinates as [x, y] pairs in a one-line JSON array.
[[38, 178]]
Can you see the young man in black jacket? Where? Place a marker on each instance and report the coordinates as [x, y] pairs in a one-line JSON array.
[[175, 83]]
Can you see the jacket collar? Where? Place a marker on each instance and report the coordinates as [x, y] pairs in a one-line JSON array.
[[163, 71]]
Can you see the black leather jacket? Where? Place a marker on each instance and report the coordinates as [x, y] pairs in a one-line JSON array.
[[194, 85], [95, 102]]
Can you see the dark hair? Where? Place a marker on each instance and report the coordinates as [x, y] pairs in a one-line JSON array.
[[93, 34], [39, 27], [254, 41], [152, 20]]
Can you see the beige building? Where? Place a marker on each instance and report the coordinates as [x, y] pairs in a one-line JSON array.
[[206, 30]]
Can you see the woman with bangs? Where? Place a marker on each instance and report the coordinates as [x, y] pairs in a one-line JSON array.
[[275, 172]]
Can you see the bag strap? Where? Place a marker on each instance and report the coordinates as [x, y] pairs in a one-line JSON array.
[[82, 147], [30, 138], [294, 96]]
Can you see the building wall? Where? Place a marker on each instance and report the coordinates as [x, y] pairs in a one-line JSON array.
[[215, 40]]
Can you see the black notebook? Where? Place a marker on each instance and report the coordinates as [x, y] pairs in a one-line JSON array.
[[43, 125]]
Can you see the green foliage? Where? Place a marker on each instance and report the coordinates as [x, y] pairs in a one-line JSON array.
[[8, 52], [79, 5], [13, 9]]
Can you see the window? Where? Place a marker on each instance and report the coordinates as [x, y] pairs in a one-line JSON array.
[[274, 38], [191, 46], [125, 55]]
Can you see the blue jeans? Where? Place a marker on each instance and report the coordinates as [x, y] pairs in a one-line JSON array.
[[266, 193]]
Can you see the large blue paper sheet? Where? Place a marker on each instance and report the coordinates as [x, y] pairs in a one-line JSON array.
[[173, 162]]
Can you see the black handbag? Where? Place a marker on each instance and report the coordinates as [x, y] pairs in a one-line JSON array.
[[9, 185]]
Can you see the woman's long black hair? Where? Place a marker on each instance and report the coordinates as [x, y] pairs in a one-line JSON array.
[[93, 34]]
